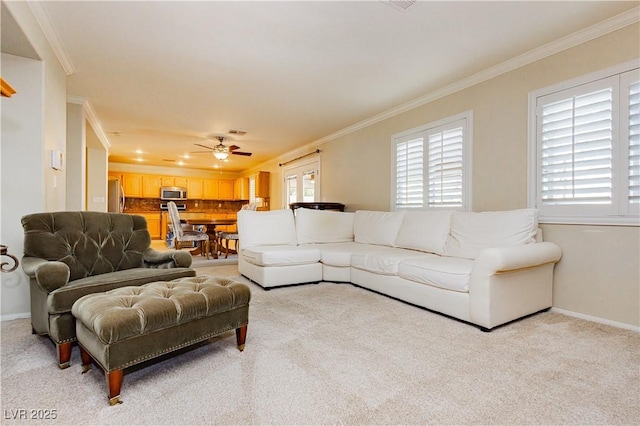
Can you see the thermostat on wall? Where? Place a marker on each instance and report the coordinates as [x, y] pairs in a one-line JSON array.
[[56, 159]]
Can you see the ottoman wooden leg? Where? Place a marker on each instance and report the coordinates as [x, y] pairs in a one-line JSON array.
[[64, 354], [86, 360], [114, 380], [241, 336]]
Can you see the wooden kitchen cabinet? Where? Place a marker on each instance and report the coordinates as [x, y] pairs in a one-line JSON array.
[[164, 225], [262, 184], [132, 184], [153, 224], [173, 181], [150, 186], [225, 188], [195, 188], [241, 189], [210, 189], [167, 181]]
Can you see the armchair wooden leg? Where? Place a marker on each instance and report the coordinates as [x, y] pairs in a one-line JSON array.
[[64, 354]]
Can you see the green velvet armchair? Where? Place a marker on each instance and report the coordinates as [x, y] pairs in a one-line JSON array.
[[70, 254]]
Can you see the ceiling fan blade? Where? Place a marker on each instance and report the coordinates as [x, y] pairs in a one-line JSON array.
[[200, 152], [204, 146], [247, 154], [233, 147]]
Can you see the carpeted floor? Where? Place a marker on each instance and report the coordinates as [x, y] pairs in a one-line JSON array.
[[338, 354]]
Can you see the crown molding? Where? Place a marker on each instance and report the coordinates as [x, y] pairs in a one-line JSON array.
[[92, 118], [52, 37], [607, 26]]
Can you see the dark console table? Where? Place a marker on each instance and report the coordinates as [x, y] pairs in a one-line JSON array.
[[317, 205]]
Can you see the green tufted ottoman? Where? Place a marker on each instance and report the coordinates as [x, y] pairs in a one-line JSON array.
[[129, 325]]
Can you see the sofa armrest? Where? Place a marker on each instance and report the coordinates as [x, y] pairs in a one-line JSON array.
[[507, 283], [498, 260], [166, 259], [48, 275]]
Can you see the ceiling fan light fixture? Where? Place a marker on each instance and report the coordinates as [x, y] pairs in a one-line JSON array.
[[221, 152], [220, 155]]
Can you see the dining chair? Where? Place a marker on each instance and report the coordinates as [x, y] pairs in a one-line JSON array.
[[233, 236], [182, 235]]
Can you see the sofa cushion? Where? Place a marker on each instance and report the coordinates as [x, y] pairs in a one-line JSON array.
[[451, 273], [372, 227], [473, 232], [281, 255], [383, 261], [323, 226], [258, 228], [62, 299], [425, 230], [339, 254]]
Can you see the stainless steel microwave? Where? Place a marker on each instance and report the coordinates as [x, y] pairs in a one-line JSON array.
[[173, 193]]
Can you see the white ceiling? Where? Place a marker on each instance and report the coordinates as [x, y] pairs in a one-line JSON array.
[[165, 75]]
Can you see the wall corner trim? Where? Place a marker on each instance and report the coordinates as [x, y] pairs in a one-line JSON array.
[[92, 118]]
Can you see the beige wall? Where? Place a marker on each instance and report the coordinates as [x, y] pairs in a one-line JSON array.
[[76, 159], [599, 274], [33, 124]]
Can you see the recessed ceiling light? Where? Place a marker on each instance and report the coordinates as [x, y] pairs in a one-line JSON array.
[[186, 156], [180, 163], [139, 160], [139, 151]]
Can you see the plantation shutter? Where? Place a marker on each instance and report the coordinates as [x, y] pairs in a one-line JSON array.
[[445, 167], [587, 146], [577, 149], [634, 143], [410, 172], [252, 189]]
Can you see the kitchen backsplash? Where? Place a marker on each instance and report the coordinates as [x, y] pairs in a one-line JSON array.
[[139, 205]]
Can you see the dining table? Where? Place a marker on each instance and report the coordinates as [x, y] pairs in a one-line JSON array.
[[210, 226]]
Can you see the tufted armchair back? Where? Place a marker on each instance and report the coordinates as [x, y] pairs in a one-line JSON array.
[[89, 243]]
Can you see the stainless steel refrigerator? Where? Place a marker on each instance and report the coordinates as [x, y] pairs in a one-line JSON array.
[[116, 196]]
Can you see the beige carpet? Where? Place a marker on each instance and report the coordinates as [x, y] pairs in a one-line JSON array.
[[338, 354]]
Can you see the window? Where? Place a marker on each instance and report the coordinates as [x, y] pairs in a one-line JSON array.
[[301, 181], [584, 159], [431, 167]]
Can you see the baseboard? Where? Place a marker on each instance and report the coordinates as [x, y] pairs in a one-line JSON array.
[[15, 316], [597, 319]]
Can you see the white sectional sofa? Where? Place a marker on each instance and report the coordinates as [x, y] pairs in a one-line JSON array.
[[484, 268]]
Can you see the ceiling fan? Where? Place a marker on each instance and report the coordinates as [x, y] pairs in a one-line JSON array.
[[221, 151]]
